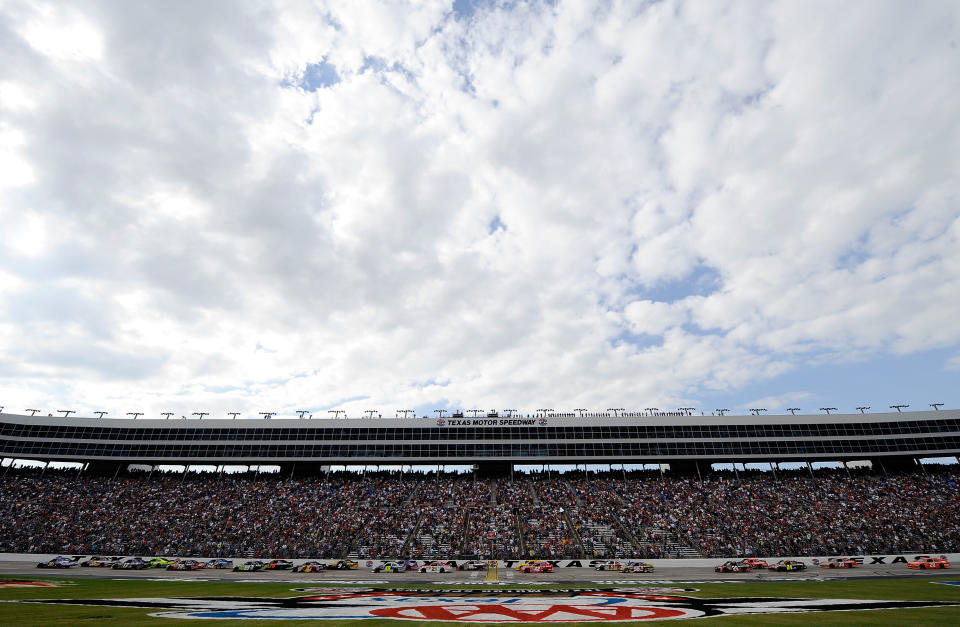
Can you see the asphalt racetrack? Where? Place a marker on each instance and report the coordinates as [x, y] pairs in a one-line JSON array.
[[504, 576]]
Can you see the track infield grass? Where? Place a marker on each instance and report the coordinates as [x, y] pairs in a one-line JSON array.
[[913, 589]]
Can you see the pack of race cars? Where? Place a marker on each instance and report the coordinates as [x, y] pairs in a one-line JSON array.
[[751, 563], [527, 566]]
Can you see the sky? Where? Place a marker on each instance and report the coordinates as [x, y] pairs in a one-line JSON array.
[[230, 206]]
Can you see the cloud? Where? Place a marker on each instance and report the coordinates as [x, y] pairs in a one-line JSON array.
[[534, 203]]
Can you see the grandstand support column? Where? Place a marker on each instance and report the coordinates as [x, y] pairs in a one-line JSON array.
[[186, 469], [699, 476], [117, 473], [773, 467], [152, 468], [810, 468], [45, 466]]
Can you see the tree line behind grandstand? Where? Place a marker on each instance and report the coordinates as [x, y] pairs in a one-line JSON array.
[[574, 515]]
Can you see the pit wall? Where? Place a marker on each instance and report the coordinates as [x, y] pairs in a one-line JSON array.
[[866, 560]]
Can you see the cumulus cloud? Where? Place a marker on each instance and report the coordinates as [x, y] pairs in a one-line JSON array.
[[248, 206]]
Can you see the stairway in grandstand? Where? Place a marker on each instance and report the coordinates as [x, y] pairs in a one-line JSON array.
[[666, 545], [604, 541]]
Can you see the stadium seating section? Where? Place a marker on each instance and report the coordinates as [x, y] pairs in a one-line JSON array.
[[374, 515]]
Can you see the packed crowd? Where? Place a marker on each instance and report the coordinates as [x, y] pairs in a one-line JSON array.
[[398, 515]]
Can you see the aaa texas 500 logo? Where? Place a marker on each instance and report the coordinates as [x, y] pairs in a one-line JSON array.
[[479, 607]]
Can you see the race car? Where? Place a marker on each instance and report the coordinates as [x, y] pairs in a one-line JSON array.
[[186, 565], [839, 562], [520, 565], [279, 565], [537, 567], [160, 562], [100, 562], [756, 563], [133, 563], [922, 563], [788, 565], [472, 565], [310, 567], [58, 562], [250, 566], [733, 566], [219, 562], [390, 567], [436, 567], [342, 565], [608, 566], [637, 567]]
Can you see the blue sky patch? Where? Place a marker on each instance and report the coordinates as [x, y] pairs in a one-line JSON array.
[[318, 75]]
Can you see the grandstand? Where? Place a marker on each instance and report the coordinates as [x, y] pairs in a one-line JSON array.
[[895, 505], [494, 443]]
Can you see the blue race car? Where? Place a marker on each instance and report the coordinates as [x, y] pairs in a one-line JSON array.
[[59, 562], [219, 562]]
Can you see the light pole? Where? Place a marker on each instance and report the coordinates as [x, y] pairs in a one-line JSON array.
[[828, 409], [267, 415], [233, 414], [793, 410], [756, 410], [721, 411], [651, 409], [167, 414], [371, 412], [581, 410], [509, 412], [406, 412], [439, 411], [337, 412], [201, 414], [473, 411], [544, 411], [936, 406], [899, 407], [862, 408], [615, 410], [134, 414], [35, 411], [66, 412], [688, 410], [101, 414], [303, 412]]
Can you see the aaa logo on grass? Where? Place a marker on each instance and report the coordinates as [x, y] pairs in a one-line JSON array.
[[480, 607]]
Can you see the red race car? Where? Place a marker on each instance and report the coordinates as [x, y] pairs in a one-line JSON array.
[[537, 567], [757, 563], [922, 563]]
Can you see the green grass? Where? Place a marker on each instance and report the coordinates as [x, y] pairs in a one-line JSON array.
[[919, 589]]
